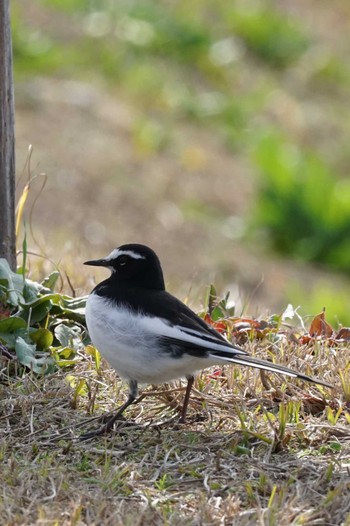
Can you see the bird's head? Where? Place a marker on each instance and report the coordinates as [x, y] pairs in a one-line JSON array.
[[136, 265]]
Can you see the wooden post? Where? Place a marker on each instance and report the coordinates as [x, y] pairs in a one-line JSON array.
[[7, 141]]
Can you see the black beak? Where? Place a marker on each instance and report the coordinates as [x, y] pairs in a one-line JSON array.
[[97, 263]]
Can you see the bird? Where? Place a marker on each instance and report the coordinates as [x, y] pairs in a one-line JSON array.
[[149, 336]]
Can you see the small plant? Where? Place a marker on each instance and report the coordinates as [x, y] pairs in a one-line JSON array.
[[164, 482], [43, 328], [333, 416]]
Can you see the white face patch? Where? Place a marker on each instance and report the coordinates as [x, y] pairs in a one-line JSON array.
[[116, 253]]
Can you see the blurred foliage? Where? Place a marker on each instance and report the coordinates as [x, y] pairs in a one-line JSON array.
[[335, 300], [33, 52], [302, 207], [271, 35], [135, 42], [248, 69]]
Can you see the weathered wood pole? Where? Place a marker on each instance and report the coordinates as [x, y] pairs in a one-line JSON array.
[[7, 141]]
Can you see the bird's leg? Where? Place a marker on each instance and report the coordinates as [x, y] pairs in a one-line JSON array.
[[109, 424], [190, 380]]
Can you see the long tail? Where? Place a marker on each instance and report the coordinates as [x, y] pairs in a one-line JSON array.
[[251, 361]]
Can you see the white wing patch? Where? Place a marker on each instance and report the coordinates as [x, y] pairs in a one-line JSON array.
[[130, 343], [159, 327]]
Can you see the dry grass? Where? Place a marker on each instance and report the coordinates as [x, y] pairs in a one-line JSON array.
[[240, 459]]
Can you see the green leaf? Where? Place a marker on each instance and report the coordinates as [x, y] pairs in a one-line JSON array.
[[40, 312], [92, 351], [66, 363], [65, 352], [42, 299], [217, 313], [79, 386], [43, 338], [74, 303], [51, 280], [75, 308], [12, 324], [210, 299], [38, 309], [68, 336], [31, 290], [26, 356], [335, 446], [13, 283], [65, 357], [9, 338], [37, 313]]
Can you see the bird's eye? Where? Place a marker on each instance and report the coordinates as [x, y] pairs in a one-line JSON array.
[[122, 261]]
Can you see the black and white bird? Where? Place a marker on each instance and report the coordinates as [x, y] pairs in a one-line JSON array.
[[148, 336]]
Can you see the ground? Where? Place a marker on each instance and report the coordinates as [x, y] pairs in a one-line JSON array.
[[255, 450]]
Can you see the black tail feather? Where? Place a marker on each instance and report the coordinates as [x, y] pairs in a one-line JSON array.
[[251, 361]]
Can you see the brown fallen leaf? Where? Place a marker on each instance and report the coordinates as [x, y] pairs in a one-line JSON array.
[[320, 327], [343, 334], [219, 326]]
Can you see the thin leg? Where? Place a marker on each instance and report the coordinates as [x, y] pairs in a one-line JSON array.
[[109, 424], [190, 380]]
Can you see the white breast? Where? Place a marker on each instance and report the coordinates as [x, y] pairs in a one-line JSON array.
[[128, 341]]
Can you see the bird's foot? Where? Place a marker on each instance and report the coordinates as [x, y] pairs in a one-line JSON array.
[[108, 424], [195, 418]]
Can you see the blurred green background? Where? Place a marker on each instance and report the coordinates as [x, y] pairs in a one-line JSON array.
[[217, 132]]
